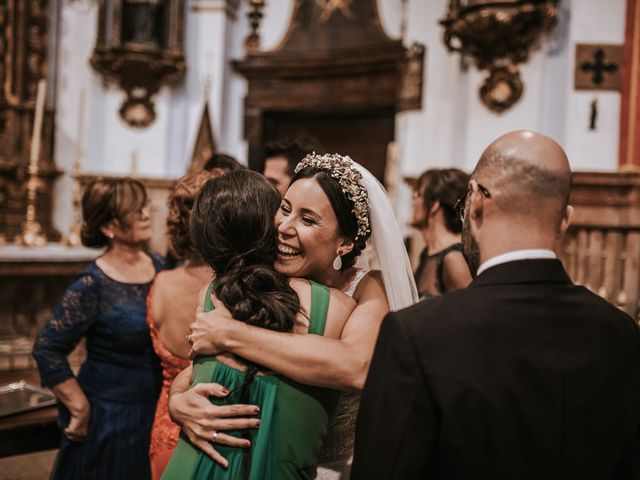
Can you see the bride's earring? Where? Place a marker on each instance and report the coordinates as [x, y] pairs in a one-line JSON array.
[[337, 263]]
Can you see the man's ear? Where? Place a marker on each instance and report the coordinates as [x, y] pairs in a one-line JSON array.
[[475, 206], [345, 246], [566, 220], [434, 208]]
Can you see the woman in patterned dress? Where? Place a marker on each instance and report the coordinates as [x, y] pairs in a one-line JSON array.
[[106, 411]]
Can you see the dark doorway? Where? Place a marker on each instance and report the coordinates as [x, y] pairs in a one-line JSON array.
[[363, 136]]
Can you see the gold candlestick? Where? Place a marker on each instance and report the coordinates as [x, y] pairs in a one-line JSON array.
[[133, 167], [74, 239], [3, 238], [255, 14], [31, 234]]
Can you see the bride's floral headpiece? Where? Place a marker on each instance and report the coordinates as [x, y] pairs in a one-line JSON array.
[[343, 169]]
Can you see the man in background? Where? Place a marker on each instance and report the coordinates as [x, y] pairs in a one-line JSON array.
[[280, 160], [224, 162]]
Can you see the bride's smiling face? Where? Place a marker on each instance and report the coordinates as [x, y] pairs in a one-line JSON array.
[[308, 232]]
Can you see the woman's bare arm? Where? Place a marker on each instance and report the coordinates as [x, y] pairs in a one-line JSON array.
[[456, 273], [311, 359], [192, 409], [70, 394]]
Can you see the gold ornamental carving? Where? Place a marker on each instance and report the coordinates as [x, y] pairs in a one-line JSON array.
[[3, 63], [498, 36], [140, 46], [329, 7], [252, 42], [31, 234], [412, 78], [24, 37]]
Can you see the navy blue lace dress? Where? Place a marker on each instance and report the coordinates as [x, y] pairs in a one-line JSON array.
[[121, 376]]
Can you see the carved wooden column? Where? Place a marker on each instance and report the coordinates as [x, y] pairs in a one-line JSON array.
[[3, 67], [630, 109], [23, 63]]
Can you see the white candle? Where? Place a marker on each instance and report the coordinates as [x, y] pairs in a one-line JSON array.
[[134, 164], [37, 125], [78, 158]]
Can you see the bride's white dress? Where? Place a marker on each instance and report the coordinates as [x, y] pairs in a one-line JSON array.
[[384, 252], [336, 453]]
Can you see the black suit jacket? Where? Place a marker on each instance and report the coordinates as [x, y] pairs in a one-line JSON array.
[[523, 375]]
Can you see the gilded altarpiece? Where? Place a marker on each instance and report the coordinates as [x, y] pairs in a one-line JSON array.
[[23, 62]]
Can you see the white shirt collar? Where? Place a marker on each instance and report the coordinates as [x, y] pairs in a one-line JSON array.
[[530, 254]]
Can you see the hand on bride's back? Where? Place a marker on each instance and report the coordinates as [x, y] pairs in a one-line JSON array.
[[209, 331], [205, 423]]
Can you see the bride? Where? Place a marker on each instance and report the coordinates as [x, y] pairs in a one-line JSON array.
[[330, 198]]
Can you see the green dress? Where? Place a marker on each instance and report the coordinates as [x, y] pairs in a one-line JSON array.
[[294, 418]]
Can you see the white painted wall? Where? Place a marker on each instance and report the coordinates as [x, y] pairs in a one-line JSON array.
[[277, 15], [593, 22], [108, 143], [231, 139], [454, 126], [75, 44]]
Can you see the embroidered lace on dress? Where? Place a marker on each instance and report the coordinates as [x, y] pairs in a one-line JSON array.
[[102, 310], [120, 377], [336, 453]]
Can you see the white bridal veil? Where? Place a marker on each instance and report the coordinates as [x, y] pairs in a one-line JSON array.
[[385, 248]]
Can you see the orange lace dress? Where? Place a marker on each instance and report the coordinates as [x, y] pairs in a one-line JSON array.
[[164, 433]]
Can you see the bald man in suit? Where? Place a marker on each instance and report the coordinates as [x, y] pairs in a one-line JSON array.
[[523, 375]]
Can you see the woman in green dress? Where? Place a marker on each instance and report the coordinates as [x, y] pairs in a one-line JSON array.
[[233, 230]]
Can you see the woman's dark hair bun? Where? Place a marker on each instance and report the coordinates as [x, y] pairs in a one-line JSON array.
[[233, 230]]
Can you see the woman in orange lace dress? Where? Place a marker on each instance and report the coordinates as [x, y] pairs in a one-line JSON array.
[[171, 306]]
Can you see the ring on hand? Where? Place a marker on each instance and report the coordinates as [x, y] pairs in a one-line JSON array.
[[188, 337], [215, 436]]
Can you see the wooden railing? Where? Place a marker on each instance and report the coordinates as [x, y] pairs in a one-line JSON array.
[[602, 247]]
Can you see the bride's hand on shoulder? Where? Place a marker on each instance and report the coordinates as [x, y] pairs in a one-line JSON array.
[[211, 330]]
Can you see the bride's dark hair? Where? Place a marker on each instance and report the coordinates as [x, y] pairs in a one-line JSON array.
[[233, 230]]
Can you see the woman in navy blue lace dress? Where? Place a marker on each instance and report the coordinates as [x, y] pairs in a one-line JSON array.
[[106, 412]]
